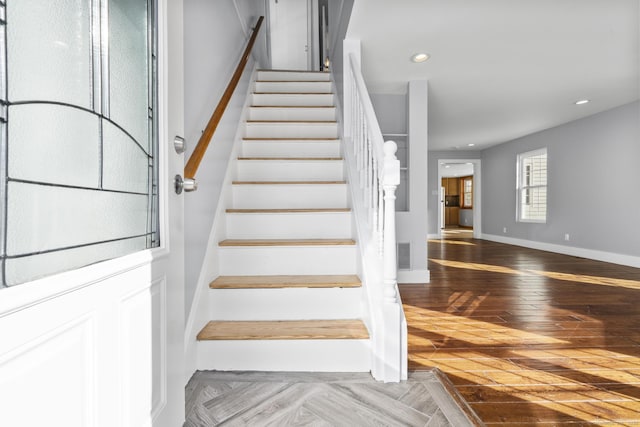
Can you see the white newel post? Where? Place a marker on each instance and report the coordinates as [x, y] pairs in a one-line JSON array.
[[391, 309]]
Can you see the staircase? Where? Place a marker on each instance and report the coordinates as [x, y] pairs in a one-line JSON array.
[[288, 297]]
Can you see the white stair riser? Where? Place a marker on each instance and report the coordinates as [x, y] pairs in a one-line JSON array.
[[291, 149], [290, 100], [309, 225], [290, 170], [292, 76], [287, 196], [292, 113], [293, 87], [285, 304], [285, 355], [291, 130], [285, 260]]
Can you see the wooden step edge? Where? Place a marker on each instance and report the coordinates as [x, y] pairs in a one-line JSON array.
[[293, 71], [292, 106], [288, 210], [285, 242], [284, 330], [288, 182], [283, 282], [326, 159], [293, 122], [293, 81], [293, 93], [292, 139]]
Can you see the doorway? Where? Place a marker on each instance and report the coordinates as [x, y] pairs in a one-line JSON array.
[[460, 197], [298, 34]]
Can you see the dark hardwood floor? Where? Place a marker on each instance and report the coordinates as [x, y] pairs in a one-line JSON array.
[[529, 337]]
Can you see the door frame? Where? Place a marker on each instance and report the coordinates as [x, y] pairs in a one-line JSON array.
[[477, 194], [115, 316], [313, 38]]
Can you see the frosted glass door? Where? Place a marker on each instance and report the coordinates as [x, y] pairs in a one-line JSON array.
[[77, 134]]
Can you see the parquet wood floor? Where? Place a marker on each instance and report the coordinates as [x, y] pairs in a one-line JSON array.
[[529, 337], [319, 399]]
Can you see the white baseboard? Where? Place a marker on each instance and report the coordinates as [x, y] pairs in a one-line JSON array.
[[413, 276], [433, 236], [629, 260]]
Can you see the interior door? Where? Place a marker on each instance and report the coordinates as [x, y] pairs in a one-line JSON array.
[[168, 351], [102, 344], [288, 25]]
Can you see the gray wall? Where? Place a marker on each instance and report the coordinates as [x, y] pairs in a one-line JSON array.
[[391, 110], [593, 177], [466, 217], [214, 36]]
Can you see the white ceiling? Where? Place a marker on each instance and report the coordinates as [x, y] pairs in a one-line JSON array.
[[502, 69]]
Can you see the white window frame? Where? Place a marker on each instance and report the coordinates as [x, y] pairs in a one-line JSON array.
[[522, 185]]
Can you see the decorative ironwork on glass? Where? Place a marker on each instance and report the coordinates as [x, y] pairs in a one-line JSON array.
[[78, 138]]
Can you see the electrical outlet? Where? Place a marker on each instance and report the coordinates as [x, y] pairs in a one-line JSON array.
[[504, 230], [566, 237]]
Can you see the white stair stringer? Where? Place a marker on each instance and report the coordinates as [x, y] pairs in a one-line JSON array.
[[292, 99], [309, 86], [288, 225], [296, 169], [298, 76], [295, 195], [288, 218], [275, 260], [292, 113], [291, 147], [307, 355], [285, 303], [306, 129]]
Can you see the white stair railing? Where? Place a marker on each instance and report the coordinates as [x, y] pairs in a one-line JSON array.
[[374, 174]]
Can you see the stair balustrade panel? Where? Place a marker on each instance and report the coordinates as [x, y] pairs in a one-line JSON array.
[[376, 169]]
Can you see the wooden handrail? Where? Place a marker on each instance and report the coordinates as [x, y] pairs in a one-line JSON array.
[[191, 167]]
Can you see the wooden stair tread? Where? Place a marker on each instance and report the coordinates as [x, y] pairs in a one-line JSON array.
[[293, 81], [276, 282], [287, 242], [292, 93], [292, 106], [291, 158], [289, 139], [284, 330], [285, 182], [289, 210], [285, 70], [313, 122]]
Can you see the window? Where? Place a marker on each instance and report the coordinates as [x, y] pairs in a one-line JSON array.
[[467, 192], [77, 125], [532, 186]]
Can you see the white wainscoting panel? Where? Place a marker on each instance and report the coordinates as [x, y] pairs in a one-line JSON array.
[[95, 356], [64, 355]]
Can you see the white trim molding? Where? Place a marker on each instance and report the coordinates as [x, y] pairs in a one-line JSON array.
[[628, 260], [413, 276]]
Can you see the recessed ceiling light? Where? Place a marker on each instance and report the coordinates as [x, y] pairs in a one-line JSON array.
[[447, 166], [419, 57], [470, 145], [582, 101]]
